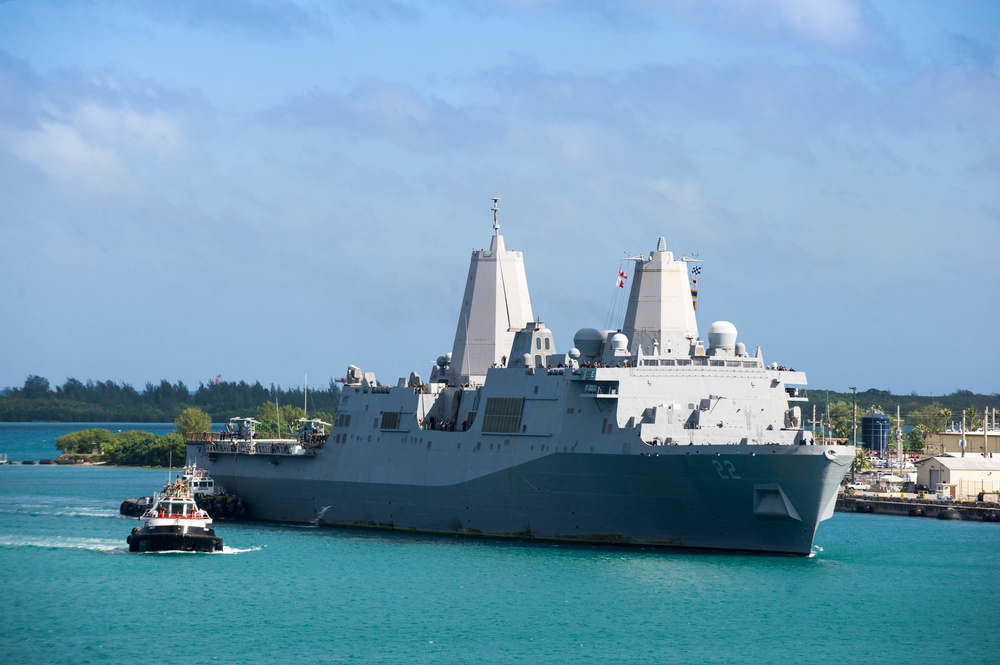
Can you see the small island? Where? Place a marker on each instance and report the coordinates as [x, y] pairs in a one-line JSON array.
[[97, 445]]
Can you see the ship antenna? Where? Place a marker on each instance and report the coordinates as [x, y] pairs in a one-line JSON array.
[[496, 222]]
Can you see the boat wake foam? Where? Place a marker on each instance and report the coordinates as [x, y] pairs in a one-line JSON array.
[[91, 544], [239, 550], [48, 510]]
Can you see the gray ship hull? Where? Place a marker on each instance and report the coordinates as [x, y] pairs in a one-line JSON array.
[[643, 435], [713, 497]]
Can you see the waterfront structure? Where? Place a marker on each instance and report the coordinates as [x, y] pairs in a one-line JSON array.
[[875, 433], [976, 441], [960, 477]]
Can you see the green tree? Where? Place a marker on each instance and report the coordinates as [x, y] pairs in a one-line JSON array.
[[84, 441], [107, 401], [915, 439], [973, 418], [129, 448], [267, 415], [842, 419], [933, 416], [928, 418], [324, 416], [170, 449], [35, 387], [861, 461], [193, 420], [135, 448], [73, 389]]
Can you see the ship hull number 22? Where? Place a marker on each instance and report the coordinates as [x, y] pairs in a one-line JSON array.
[[726, 470]]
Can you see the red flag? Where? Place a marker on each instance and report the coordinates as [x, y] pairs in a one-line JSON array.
[[621, 273], [621, 283]]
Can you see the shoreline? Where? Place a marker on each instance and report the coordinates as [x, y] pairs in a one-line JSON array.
[[915, 507], [55, 462]]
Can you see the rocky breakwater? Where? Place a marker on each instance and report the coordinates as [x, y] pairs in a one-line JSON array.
[[218, 506]]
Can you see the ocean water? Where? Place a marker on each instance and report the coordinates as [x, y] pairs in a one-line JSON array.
[[36, 441], [877, 590]]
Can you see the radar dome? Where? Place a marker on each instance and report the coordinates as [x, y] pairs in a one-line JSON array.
[[588, 341], [722, 335], [574, 353], [619, 342]]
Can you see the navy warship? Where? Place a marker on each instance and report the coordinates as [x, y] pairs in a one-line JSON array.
[[644, 435]]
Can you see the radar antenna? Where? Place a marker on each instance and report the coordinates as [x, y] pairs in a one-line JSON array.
[[496, 209]]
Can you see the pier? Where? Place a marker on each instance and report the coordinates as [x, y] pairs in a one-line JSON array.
[[917, 507]]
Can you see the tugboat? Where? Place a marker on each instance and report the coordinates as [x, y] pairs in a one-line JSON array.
[[175, 523], [200, 482], [204, 489]]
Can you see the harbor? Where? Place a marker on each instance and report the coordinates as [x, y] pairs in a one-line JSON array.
[[369, 596]]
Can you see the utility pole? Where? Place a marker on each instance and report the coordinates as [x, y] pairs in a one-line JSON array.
[[986, 433], [899, 440], [854, 431], [814, 424], [961, 442]]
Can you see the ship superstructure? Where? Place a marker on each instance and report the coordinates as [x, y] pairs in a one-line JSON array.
[[644, 435]]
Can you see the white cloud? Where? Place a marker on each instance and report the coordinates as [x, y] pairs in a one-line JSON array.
[[685, 194], [91, 136], [89, 150], [391, 111], [832, 22], [63, 153], [838, 24], [156, 133], [574, 144]]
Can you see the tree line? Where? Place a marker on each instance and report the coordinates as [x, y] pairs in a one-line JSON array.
[[921, 415], [107, 401], [138, 448], [886, 401], [131, 448]]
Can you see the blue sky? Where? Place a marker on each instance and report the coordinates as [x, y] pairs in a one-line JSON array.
[[265, 190]]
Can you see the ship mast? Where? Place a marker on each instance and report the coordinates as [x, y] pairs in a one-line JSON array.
[[496, 304]]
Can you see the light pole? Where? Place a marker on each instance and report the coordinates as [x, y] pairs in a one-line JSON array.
[[854, 430]]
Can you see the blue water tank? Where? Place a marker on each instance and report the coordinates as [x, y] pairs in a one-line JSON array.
[[875, 432]]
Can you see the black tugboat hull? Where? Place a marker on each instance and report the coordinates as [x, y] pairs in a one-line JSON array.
[[173, 539]]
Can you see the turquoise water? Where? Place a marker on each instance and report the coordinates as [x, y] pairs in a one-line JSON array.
[[879, 589], [36, 441]]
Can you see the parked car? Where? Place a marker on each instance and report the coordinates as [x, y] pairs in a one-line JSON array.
[[856, 487]]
